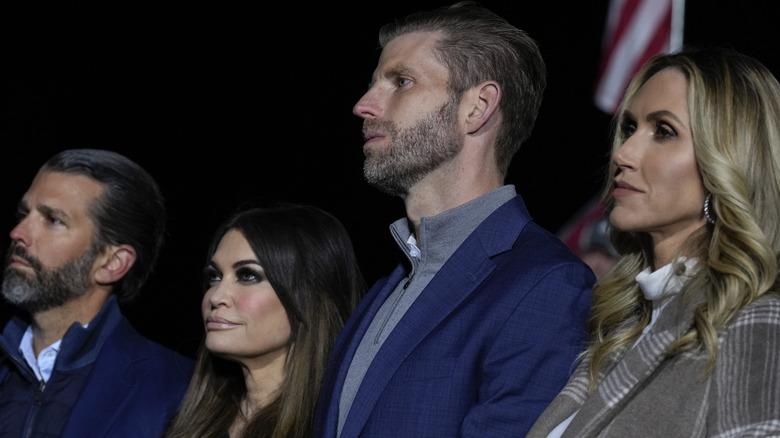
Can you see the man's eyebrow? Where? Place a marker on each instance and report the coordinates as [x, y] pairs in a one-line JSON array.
[[51, 211], [398, 70], [394, 72]]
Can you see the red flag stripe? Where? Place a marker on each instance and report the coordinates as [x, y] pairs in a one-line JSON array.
[[636, 30]]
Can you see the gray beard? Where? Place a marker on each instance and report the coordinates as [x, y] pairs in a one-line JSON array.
[[413, 152], [47, 288]]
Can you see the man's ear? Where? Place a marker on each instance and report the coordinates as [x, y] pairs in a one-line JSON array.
[[482, 103], [115, 262]]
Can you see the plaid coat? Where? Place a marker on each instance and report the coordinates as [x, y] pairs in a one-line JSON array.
[[649, 394]]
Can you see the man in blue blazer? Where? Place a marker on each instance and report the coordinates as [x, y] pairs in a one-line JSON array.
[[90, 228], [479, 328]]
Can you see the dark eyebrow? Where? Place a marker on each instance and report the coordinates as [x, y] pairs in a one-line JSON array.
[[22, 207], [49, 211], [241, 263], [236, 265], [398, 70]]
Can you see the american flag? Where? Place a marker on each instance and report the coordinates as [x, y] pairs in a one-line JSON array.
[[635, 30]]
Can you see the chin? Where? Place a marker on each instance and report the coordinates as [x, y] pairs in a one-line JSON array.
[[218, 347], [621, 222]]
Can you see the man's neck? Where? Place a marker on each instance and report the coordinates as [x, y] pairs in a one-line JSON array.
[[50, 325], [426, 199], [468, 175]]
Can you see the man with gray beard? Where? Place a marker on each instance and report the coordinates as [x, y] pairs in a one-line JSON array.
[[48, 288], [90, 228], [478, 328]]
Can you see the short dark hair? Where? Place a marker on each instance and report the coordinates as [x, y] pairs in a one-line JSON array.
[[129, 211], [477, 46]]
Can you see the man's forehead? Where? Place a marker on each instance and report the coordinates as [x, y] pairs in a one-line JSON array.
[[411, 54], [410, 45], [62, 191]]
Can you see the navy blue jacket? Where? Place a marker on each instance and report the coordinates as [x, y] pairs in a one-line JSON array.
[[485, 347], [108, 381]]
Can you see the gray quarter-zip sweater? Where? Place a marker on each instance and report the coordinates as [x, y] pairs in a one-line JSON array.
[[440, 236]]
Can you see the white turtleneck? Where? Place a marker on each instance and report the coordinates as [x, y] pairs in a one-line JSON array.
[[661, 285]]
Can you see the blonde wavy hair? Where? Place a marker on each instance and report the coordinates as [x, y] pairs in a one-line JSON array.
[[734, 105]]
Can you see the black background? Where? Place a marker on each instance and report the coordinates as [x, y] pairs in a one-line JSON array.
[[226, 105]]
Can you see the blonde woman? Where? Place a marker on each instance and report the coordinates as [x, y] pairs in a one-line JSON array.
[[685, 329]]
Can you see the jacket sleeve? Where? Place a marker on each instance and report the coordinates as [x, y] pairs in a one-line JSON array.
[[534, 354], [745, 397]]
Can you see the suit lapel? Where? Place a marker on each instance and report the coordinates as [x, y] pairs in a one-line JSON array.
[[98, 409], [465, 270], [346, 345]]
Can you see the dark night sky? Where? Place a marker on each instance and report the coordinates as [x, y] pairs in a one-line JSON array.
[[225, 106]]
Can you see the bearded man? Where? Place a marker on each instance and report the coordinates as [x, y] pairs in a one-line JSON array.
[[478, 328], [89, 230]]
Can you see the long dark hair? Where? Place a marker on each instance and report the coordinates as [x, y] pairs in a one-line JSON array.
[[308, 258]]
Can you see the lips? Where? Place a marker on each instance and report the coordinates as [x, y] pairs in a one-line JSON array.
[[19, 258], [371, 135], [18, 261], [217, 323], [623, 188]]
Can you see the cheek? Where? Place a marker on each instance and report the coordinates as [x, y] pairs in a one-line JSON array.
[[258, 306], [680, 179], [406, 112], [267, 316], [60, 252]]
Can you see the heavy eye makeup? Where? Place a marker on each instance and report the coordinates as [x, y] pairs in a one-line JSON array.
[[244, 274], [210, 276], [663, 130], [249, 275], [664, 123]]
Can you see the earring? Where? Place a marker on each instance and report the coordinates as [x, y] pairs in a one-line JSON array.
[[707, 201]]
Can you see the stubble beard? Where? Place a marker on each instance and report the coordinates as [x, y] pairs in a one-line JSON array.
[[46, 288], [413, 152]]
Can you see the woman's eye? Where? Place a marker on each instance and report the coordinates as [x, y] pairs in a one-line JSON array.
[[627, 128], [664, 131], [403, 81], [248, 275], [210, 276]]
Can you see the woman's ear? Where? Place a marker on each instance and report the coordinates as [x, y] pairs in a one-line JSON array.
[[116, 261], [482, 102]]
